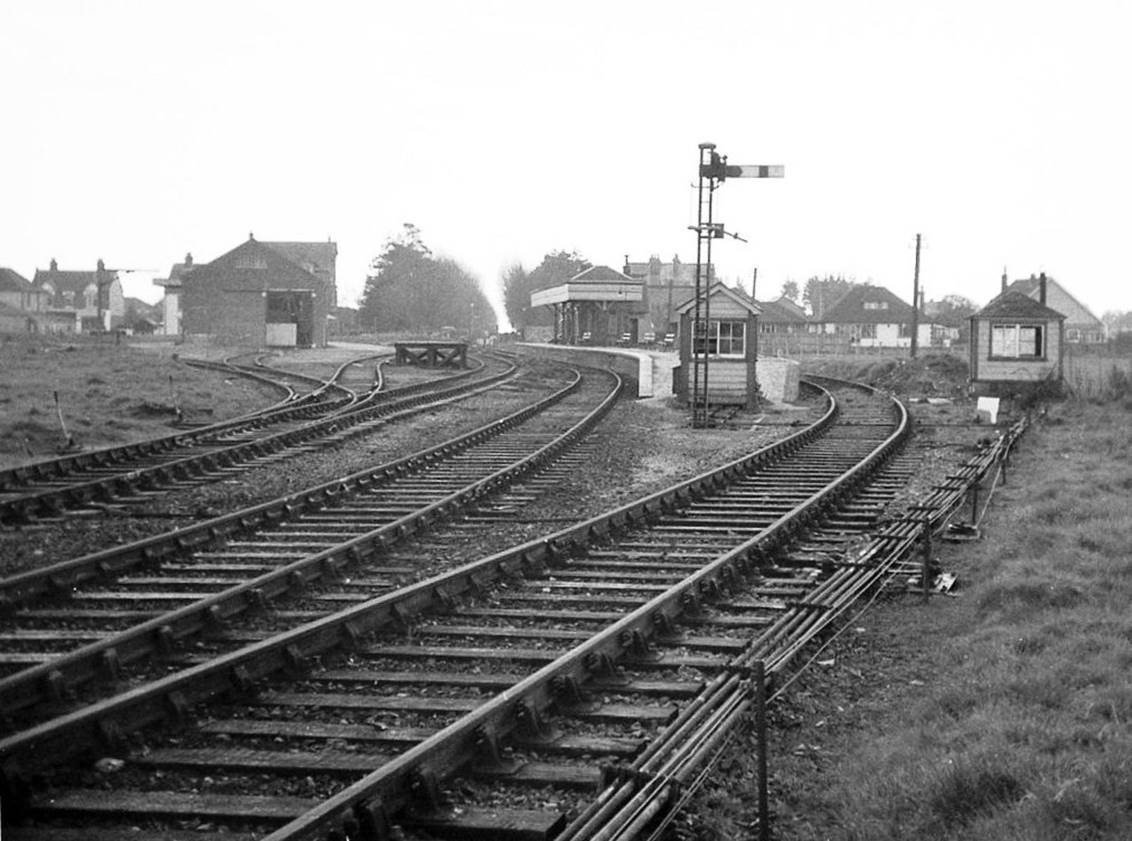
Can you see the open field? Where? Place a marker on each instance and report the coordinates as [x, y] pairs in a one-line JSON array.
[[111, 393], [1004, 712]]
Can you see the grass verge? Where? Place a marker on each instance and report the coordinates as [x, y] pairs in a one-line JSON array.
[[1002, 714]]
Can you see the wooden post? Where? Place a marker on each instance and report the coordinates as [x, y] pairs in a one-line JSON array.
[[761, 747], [975, 504]]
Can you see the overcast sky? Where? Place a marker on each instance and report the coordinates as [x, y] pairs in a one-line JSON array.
[[1001, 131]]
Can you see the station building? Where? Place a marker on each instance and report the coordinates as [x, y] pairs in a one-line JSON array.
[[600, 306], [262, 294]]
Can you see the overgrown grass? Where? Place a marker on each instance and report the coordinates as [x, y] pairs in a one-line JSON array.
[[108, 393], [1024, 731]]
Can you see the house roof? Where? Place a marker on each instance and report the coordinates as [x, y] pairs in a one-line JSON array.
[[176, 275], [782, 311], [1014, 304], [723, 290], [13, 281], [1031, 287], [320, 255], [850, 309], [72, 281], [603, 274]]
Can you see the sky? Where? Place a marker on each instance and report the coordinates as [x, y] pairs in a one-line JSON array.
[[1000, 131]]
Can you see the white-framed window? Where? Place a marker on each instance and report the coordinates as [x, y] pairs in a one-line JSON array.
[[876, 305], [721, 338], [1018, 341]]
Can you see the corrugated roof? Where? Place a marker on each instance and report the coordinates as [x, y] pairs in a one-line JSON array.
[[1013, 304]]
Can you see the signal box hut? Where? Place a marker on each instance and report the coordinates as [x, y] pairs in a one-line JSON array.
[[600, 306], [729, 336], [1016, 341], [256, 295]]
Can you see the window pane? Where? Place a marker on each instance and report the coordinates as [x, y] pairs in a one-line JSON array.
[[1030, 341], [1004, 340]]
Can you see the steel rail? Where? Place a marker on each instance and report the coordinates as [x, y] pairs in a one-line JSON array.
[[88, 726], [625, 809], [531, 556], [289, 407], [40, 683], [286, 409], [379, 405], [441, 754]]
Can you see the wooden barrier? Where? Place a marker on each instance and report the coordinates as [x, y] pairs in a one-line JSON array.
[[432, 354]]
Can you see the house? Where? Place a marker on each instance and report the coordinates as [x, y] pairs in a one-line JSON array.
[[726, 350], [597, 306], [1081, 326], [666, 286], [1016, 340], [171, 302], [15, 320], [872, 316], [19, 293], [79, 301], [256, 295]]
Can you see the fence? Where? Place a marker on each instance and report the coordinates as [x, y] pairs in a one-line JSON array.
[[1097, 374]]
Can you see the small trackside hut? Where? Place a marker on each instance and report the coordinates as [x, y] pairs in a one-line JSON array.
[[1016, 341], [729, 340]]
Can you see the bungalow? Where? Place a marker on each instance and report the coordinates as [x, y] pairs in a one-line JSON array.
[[872, 316], [1081, 326]]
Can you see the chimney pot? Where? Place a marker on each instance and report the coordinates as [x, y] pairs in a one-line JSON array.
[[101, 265], [1042, 289], [188, 258], [54, 265]]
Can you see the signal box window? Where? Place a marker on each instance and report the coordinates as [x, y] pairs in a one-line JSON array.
[[1017, 341], [721, 338]]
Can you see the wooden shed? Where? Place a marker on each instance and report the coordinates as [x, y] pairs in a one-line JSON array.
[[1016, 340], [727, 337]]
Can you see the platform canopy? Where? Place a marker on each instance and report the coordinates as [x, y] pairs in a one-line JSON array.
[[598, 283]]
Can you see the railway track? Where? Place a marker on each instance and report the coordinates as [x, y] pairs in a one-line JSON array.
[[524, 671], [107, 480], [106, 615]]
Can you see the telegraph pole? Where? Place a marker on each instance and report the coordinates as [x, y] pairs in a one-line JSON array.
[[714, 170], [916, 300]]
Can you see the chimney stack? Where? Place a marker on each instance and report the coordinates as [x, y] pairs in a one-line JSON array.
[[54, 265], [1042, 289], [1004, 278], [101, 265], [188, 258]]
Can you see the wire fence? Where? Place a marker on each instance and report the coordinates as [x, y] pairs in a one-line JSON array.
[[1093, 373]]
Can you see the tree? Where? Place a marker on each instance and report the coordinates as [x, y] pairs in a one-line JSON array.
[[821, 293], [556, 268], [790, 291], [953, 310], [409, 290]]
